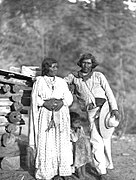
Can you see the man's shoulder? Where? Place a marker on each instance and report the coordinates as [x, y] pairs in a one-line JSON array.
[[98, 73], [74, 73]]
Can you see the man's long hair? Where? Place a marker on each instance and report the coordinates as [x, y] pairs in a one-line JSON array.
[[88, 56]]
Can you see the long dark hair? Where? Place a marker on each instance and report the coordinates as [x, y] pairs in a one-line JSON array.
[[88, 56], [46, 63]]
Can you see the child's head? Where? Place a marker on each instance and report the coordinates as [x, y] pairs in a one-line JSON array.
[[75, 119]]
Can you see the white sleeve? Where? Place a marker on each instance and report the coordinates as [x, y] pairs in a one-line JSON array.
[[108, 91], [34, 114], [40, 101], [36, 92], [69, 78], [67, 95]]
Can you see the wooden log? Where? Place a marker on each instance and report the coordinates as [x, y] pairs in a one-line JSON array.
[[27, 88], [16, 97], [16, 88], [11, 128], [13, 80], [1, 84], [17, 106], [25, 110], [10, 163], [9, 94], [6, 88], [2, 129], [3, 120], [5, 102], [8, 140], [15, 117], [16, 75], [4, 110]]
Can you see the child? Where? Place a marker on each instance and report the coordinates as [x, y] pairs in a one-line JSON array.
[[81, 146]]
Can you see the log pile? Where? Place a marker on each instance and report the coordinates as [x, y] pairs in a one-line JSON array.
[[15, 94]]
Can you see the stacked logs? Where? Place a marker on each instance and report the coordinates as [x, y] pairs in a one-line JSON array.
[[15, 94]]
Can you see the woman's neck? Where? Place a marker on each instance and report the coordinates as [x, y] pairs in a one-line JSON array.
[[51, 77]]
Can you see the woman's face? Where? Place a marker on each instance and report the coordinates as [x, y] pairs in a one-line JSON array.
[[86, 65], [53, 70]]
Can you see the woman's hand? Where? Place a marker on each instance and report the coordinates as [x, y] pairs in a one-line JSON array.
[[53, 104], [49, 104], [58, 104]]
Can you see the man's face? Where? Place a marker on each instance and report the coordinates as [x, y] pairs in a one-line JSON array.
[[53, 70], [86, 65]]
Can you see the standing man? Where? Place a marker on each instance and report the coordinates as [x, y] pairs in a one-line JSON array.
[[93, 91]]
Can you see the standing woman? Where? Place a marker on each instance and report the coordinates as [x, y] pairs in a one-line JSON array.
[[50, 123]]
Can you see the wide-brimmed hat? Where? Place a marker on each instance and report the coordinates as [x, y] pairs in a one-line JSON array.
[[107, 124]]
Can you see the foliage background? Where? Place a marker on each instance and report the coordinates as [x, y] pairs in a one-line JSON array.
[[30, 30]]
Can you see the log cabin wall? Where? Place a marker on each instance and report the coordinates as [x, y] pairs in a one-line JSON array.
[[15, 99]]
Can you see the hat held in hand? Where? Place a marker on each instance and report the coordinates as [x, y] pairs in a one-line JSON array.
[[107, 123]]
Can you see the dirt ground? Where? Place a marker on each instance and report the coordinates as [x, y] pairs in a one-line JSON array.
[[124, 158]]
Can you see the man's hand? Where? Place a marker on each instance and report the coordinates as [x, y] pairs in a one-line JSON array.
[[90, 106], [115, 113], [71, 88]]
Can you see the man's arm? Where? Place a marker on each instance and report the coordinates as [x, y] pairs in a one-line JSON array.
[[69, 80], [111, 98]]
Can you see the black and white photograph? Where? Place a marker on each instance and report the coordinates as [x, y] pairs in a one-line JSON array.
[[67, 90]]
